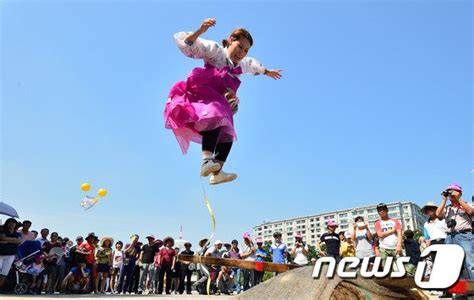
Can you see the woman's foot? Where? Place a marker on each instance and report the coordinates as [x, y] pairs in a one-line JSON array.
[[222, 177], [209, 166]]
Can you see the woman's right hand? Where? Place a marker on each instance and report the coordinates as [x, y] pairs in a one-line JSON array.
[[206, 24]]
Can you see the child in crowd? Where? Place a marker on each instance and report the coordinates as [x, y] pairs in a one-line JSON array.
[[116, 265], [35, 270], [348, 246], [77, 280], [260, 255], [412, 249]]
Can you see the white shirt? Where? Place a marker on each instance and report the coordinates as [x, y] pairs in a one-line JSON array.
[[300, 258], [246, 249], [213, 251], [215, 54], [118, 259], [435, 230]]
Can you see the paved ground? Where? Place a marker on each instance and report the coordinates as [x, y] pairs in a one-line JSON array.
[[115, 297]]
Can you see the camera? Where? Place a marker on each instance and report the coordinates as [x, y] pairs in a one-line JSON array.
[[451, 224], [446, 193]]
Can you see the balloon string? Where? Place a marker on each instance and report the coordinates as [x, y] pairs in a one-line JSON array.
[[213, 220]]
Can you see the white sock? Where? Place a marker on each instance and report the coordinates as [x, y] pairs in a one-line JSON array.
[[206, 155]]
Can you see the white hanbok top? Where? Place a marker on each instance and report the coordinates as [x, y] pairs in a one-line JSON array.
[[215, 54]]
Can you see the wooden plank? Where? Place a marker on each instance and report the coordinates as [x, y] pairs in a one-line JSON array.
[[236, 263], [391, 283]]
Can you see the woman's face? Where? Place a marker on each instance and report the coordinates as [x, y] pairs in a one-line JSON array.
[[454, 195], [238, 49], [107, 244], [430, 212], [118, 246], [11, 226]]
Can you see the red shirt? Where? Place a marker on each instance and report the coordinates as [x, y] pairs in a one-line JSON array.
[[167, 255], [86, 247]]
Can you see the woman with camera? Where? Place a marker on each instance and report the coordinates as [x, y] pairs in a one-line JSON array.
[[300, 251], [363, 239], [458, 216]]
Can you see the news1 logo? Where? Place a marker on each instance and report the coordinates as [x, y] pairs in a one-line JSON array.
[[444, 273]]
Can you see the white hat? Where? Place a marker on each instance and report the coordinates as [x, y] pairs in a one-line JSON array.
[[218, 242], [348, 235]]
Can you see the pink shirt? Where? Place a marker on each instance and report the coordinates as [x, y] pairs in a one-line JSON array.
[[28, 236]]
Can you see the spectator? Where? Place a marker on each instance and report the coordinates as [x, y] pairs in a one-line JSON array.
[[156, 263], [145, 261], [61, 264], [133, 288], [35, 271], [458, 215], [203, 273], [167, 264], [176, 274], [103, 260], [342, 236], [412, 249], [278, 249], [331, 240], [389, 231], [53, 251], [363, 239], [434, 230], [116, 265], [260, 255], [9, 241], [348, 246], [87, 249], [225, 281], [227, 247], [26, 234], [35, 234], [216, 250], [186, 271], [77, 280], [73, 254], [300, 251], [234, 253], [248, 254], [130, 256], [44, 236]]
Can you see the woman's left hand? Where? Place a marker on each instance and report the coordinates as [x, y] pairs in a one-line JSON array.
[[275, 74]]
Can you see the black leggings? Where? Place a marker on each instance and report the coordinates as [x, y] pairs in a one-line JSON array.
[[209, 143]]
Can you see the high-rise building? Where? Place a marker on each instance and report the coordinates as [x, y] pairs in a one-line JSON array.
[[313, 226]]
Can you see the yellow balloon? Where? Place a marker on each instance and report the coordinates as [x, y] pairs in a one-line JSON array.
[[85, 187], [102, 192]]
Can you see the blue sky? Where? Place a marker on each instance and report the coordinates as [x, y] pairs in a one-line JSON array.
[[375, 106]]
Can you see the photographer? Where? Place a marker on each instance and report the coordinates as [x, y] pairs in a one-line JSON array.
[[300, 251], [363, 239], [458, 216]]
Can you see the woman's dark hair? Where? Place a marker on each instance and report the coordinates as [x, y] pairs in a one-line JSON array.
[[409, 234], [359, 218], [10, 220], [119, 243], [277, 234], [236, 35]]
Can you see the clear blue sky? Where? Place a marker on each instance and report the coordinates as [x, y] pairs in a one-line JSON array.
[[375, 106]]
